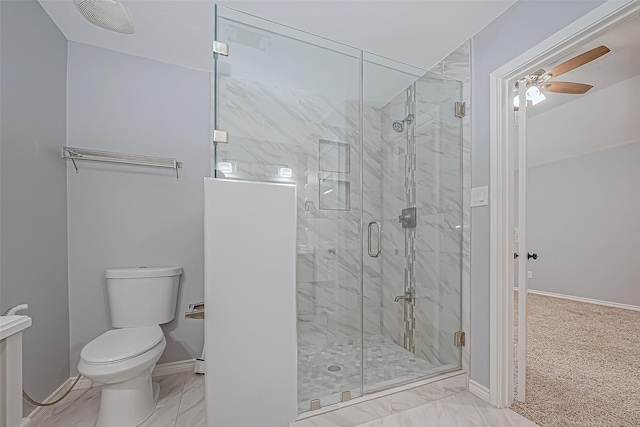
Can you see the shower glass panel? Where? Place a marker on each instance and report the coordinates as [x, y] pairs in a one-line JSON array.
[[374, 148], [290, 102], [412, 186]]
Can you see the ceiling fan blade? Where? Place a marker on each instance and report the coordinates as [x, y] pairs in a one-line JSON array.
[[566, 87], [577, 61]]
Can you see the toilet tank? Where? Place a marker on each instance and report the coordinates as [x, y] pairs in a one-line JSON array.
[[142, 296]]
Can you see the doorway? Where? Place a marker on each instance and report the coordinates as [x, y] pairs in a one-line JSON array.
[[502, 180], [575, 209]]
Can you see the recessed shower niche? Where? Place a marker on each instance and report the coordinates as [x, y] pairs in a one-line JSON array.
[[334, 156], [334, 164], [380, 301]]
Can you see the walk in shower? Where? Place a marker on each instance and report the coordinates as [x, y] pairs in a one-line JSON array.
[[374, 148]]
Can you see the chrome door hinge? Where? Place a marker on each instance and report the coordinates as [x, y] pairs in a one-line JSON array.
[[459, 339], [461, 109], [220, 48], [221, 136]]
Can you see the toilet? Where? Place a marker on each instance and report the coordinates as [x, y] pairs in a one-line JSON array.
[[122, 359]]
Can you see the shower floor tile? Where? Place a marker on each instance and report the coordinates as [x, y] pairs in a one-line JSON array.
[[386, 364]]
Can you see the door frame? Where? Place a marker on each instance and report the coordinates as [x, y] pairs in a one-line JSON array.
[[501, 182]]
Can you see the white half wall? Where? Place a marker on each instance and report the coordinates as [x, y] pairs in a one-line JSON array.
[[250, 299], [122, 215]]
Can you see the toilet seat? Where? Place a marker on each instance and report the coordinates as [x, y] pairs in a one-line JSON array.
[[118, 345]]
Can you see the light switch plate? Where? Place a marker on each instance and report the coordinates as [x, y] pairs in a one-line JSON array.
[[479, 196]]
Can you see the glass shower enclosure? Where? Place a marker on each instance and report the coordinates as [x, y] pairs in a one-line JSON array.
[[374, 148]]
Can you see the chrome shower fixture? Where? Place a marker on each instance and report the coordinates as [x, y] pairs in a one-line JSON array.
[[108, 14], [398, 125]]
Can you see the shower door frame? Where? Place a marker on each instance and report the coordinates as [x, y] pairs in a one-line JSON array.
[[463, 313]]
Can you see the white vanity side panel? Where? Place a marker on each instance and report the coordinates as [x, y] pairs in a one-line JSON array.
[[250, 300], [11, 380]]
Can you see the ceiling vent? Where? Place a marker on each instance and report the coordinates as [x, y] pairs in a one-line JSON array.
[[107, 14]]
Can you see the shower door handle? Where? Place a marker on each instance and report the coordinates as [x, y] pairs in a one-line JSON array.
[[379, 249]]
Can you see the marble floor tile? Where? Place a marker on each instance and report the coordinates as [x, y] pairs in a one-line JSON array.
[[80, 408], [166, 413], [192, 406], [459, 410], [384, 406], [181, 403]]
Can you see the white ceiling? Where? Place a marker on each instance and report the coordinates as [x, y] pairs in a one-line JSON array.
[[622, 63], [179, 32]]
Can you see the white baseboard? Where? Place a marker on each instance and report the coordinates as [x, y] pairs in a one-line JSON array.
[[40, 413], [479, 390], [585, 300], [83, 383], [174, 367]]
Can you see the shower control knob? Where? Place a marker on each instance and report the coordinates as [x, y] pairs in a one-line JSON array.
[[534, 255]]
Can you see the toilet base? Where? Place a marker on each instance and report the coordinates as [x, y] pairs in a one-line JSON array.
[[156, 392], [129, 403]]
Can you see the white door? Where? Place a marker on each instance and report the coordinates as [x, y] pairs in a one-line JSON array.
[[521, 240]]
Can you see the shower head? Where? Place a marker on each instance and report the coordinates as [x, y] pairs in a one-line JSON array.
[[108, 14], [398, 125]]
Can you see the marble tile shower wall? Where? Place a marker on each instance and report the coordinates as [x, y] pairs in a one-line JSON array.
[[276, 127], [442, 235], [393, 201]]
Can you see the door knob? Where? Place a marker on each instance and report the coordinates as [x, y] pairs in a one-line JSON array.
[[515, 255], [534, 255]]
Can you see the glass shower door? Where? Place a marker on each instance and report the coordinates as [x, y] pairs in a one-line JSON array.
[[412, 188], [374, 149], [290, 102]]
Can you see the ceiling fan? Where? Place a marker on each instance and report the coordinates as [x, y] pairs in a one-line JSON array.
[[539, 81]]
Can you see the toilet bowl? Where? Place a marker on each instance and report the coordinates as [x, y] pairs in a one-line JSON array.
[[122, 359]]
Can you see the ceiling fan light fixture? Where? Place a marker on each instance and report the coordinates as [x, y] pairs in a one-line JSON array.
[[534, 95]]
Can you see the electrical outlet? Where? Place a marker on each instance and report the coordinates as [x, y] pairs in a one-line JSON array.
[[529, 274]]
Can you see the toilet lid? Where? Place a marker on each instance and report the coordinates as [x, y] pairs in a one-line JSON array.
[[121, 344]]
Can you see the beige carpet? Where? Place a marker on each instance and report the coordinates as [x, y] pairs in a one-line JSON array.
[[583, 364]]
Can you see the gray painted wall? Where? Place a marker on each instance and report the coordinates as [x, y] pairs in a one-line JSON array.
[[592, 198], [33, 221], [128, 215], [521, 27]]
